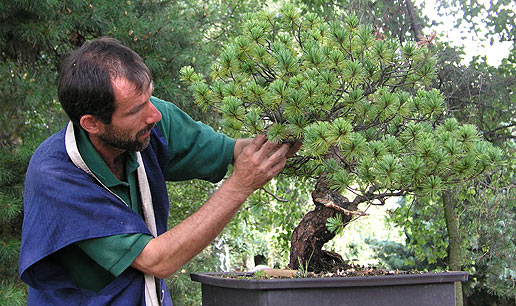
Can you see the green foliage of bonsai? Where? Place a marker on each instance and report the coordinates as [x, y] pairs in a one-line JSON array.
[[370, 126], [359, 105]]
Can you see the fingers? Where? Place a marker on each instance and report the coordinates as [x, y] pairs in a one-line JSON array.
[[258, 142], [279, 159], [265, 147], [270, 157], [262, 146], [279, 153]]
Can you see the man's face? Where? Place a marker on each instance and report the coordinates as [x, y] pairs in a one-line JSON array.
[[133, 118]]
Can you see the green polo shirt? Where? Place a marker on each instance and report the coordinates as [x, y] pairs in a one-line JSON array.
[[94, 263]]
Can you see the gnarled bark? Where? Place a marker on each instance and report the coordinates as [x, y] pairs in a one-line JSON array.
[[311, 234]]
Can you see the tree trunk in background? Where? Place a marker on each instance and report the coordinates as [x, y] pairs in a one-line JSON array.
[[416, 27], [454, 241], [454, 260]]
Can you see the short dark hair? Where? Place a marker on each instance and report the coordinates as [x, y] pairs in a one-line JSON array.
[[86, 74]]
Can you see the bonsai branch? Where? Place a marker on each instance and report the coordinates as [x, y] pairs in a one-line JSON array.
[[331, 204], [274, 196]]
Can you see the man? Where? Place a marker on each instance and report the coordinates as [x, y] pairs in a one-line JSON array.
[[95, 201]]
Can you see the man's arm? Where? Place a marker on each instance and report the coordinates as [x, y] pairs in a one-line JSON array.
[[256, 162]]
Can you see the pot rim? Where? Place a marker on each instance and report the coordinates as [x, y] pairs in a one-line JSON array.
[[214, 279]]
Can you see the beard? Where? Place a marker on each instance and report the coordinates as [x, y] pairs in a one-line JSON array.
[[121, 140]]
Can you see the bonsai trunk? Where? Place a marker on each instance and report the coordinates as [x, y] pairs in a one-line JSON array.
[[311, 234]]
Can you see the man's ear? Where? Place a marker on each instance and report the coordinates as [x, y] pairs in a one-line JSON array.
[[91, 124]]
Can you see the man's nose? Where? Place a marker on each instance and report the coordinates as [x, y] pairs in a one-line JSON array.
[[153, 114]]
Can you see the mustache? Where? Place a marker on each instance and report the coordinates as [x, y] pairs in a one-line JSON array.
[[147, 129]]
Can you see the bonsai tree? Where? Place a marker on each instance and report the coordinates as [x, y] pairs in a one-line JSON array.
[[371, 129]]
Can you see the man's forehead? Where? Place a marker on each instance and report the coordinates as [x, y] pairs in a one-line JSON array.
[[127, 90]]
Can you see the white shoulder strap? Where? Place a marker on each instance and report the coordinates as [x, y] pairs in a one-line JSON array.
[[151, 295]]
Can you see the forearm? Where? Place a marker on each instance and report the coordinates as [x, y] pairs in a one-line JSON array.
[[257, 161], [166, 253]]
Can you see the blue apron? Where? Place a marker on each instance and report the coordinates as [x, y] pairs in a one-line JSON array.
[[63, 205]]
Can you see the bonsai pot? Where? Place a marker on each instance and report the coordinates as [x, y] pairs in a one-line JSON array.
[[427, 289]]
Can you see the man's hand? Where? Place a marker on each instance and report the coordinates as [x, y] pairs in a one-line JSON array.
[[257, 161]]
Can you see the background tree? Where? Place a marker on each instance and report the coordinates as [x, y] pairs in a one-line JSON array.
[[484, 96]]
